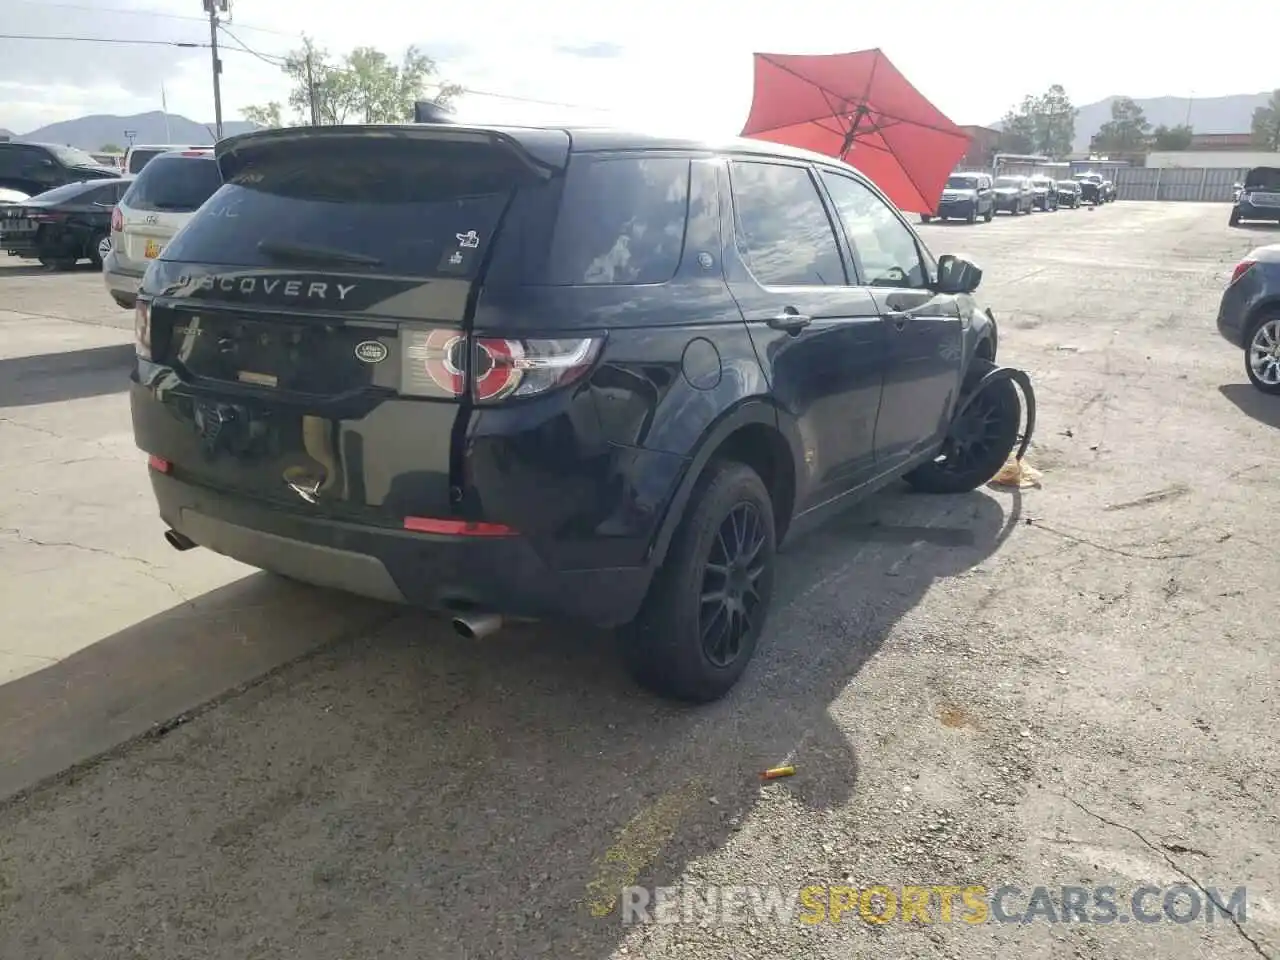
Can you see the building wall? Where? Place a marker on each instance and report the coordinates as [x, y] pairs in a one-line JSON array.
[[1218, 159], [1196, 184], [982, 147]]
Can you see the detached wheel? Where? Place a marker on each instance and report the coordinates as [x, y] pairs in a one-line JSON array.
[[978, 443], [701, 622], [1262, 356]]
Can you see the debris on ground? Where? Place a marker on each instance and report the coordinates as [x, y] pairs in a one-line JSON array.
[[1017, 473], [777, 773]]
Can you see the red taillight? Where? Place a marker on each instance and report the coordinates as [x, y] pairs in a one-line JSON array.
[[159, 464], [117, 220], [1243, 267], [457, 528], [434, 361]]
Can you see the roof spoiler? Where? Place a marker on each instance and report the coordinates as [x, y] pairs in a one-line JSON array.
[[428, 111]]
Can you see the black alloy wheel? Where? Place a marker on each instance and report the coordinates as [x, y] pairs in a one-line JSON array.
[[731, 600]]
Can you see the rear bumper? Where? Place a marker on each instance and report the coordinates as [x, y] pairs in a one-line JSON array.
[[957, 209], [122, 281], [496, 574]]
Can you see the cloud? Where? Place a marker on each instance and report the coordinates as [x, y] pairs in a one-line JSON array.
[[599, 50]]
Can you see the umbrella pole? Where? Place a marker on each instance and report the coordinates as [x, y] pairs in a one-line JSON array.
[[851, 137]]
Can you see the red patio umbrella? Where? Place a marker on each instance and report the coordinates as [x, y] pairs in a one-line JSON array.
[[858, 108]]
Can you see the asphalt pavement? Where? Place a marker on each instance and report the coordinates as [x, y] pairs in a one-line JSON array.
[[1065, 686]]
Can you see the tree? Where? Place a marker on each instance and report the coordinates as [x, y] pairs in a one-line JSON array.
[[365, 86], [1044, 124], [1126, 131], [1266, 124], [111, 148], [1172, 138], [268, 115]]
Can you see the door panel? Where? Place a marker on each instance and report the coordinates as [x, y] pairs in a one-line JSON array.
[[922, 328], [819, 339]]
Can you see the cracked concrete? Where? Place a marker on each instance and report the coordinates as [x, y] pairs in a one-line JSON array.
[[1085, 700]]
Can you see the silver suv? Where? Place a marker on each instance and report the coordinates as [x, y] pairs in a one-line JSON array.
[[162, 198]]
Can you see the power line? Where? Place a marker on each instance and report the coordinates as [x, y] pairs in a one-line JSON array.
[[142, 13], [148, 43], [277, 61]]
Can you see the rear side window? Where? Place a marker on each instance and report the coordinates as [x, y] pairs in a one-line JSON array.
[[174, 185], [783, 228], [411, 206], [621, 221], [65, 194]]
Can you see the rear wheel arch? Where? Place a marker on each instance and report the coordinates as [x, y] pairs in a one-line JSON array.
[[749, 434]]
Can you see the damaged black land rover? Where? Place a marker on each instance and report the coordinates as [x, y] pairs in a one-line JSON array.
[[553, 373]]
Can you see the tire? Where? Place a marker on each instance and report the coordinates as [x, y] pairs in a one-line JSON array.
[[1234, 220], [1267, 330], [925, 218], [993, 419], [972, 217], [664, 647], [99, 246]]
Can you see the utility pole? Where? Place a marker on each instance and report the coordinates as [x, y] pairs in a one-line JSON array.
[[311, 91], [213, 7]]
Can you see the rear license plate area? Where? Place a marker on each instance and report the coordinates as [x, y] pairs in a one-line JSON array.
[[312, 357]]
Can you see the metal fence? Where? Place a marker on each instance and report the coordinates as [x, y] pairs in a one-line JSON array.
[[1199, 184]]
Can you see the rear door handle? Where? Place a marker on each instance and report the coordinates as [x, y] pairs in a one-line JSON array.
[[789, 320], [898, 317]]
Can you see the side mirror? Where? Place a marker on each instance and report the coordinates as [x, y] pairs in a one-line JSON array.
[[957, 275]]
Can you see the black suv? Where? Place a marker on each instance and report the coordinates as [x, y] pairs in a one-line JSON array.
[[548, 372], [34, 168]]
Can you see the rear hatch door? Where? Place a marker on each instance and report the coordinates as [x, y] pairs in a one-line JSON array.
[[161, 200], [315, 312]]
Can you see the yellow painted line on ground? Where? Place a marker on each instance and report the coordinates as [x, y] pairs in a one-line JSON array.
[[638, 845]]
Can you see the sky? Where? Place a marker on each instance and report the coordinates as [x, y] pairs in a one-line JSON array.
[[685, 68]]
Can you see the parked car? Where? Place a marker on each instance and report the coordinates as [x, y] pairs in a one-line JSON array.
[[1249, 315], [522, 372], [139, 155], [1068, 193], [160, 201], [1091, 191], [1044, 193], [967, 196], [1014, 194], [1259, 197], [62, 226], [33, 168]]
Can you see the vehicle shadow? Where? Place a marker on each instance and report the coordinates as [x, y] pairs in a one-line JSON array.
[[30, 268], [1252, 402], [410, 793], [70, 375]]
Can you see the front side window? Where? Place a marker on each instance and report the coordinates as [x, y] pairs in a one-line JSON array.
[[883, 246], [783, 231]]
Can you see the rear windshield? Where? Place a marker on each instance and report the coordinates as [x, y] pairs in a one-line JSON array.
[[621, 221], [1009, 181], [409, 206], [174, 185], [962, 183], [141, 158]]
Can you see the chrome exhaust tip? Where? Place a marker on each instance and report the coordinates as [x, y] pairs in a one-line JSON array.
[[178, 541], [476, 626]]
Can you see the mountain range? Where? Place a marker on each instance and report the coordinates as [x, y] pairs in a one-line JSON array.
[[96, 132], [1232, 114]]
